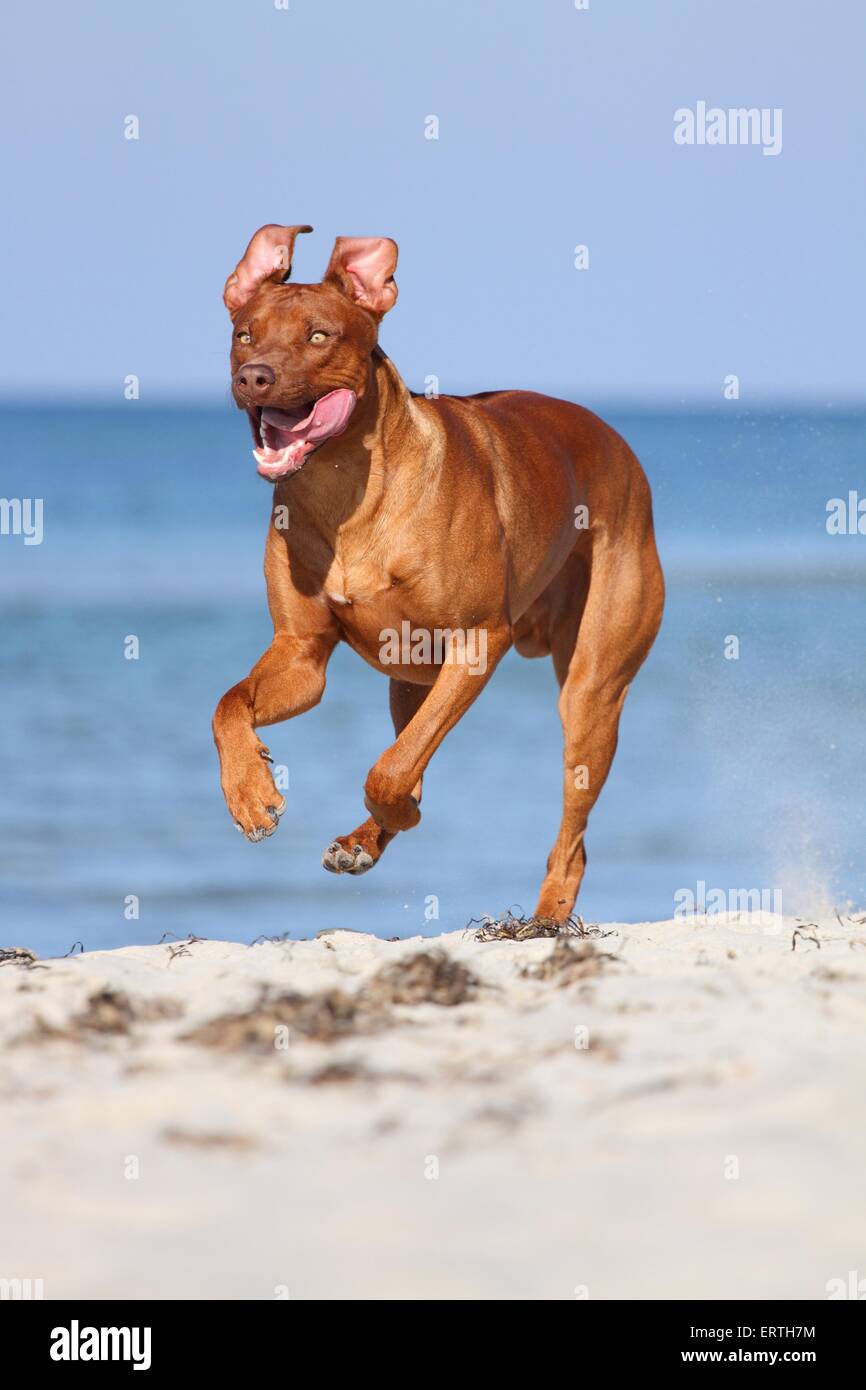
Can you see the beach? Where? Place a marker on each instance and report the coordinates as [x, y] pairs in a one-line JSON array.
[[662, 1110]]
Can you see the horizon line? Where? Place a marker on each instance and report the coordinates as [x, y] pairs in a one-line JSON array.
[[194, 401]]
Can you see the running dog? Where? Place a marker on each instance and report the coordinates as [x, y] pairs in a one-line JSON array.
[[502, 519]]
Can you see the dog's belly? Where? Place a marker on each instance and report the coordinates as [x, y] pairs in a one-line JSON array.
[[403, 637]]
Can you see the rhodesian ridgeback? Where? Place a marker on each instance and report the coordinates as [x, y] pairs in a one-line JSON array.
[[430, 535]]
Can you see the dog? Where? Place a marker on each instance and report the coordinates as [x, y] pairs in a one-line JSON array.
[[508, 516]]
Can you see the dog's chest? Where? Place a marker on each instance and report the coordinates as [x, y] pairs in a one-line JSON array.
[[367, 592], [353, 583]]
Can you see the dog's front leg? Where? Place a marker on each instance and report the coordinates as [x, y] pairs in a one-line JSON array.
[[388, 789], [286, 681]]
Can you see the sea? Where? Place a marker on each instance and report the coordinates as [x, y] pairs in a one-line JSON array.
[[741, 767]]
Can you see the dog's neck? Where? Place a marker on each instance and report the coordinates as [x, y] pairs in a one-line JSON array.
[[386, 411], [352, 474]]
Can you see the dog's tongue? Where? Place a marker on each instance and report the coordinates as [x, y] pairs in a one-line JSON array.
[[288, 438], [327, 417]]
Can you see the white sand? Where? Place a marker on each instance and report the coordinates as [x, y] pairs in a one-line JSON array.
[[711, 1044]]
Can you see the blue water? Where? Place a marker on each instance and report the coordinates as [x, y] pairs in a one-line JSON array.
[[741, 774]]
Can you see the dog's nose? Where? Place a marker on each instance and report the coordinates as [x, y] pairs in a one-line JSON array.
[[254, 380]]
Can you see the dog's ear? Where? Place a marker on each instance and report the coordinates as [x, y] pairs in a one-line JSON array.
[[363, 268], [268, 257]]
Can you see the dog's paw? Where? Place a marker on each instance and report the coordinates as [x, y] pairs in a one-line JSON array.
[[254, 803], [347, 858], [358, 852], [255, 832]]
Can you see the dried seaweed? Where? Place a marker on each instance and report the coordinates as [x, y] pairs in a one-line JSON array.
[[107, 1012], [20, 955], [321, 1017], [567, 964], [428, 977], [512, 927], [201, 1139]]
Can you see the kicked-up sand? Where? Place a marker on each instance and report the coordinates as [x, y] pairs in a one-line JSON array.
[[664, 1110]]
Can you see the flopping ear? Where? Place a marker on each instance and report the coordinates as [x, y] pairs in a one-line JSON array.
[[268, 257], [363, 268]]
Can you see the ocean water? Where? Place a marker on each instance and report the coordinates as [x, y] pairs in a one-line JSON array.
[[739, 774]]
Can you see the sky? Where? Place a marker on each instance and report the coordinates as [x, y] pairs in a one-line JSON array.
[[555, 130]]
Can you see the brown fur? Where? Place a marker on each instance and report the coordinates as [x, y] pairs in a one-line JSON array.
[[451, 513]]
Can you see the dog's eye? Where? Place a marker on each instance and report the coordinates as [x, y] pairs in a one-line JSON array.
[[243, 336], [319, 336]]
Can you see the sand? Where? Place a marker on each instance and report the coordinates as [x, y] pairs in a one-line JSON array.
[[664, 1110]]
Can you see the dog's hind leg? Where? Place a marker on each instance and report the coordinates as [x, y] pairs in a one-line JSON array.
[[617, 627], [358, 852]]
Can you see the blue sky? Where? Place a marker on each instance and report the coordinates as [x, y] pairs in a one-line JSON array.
[[555, 129]]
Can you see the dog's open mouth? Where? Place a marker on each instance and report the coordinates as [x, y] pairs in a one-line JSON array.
[[286, 438]]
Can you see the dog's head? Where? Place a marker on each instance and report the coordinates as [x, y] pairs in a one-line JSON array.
[[301, 353]]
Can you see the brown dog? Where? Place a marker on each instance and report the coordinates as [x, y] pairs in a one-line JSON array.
[[430, 535]]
